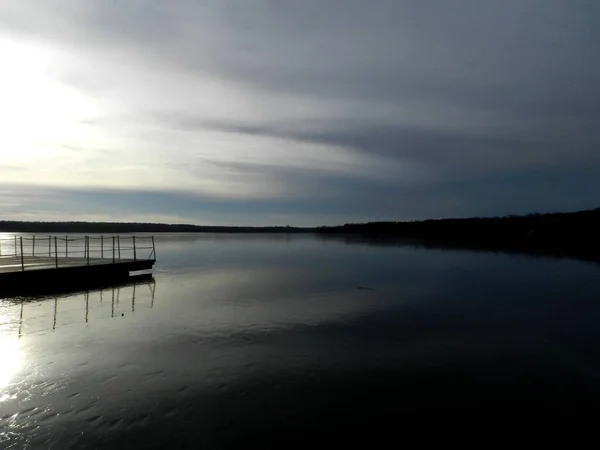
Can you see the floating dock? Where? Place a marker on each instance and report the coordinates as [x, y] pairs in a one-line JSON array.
[[40, 263]]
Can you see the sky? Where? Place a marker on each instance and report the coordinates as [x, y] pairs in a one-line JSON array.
[[277, 112]]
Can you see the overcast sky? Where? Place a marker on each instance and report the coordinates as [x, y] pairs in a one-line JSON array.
[[297, 112]]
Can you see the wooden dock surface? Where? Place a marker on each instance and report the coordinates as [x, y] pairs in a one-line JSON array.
[[12, 264]]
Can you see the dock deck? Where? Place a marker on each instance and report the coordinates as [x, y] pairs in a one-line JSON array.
[[37, 263], [11, 264]]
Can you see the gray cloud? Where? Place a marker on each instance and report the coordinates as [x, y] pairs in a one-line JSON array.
[[474, 98]]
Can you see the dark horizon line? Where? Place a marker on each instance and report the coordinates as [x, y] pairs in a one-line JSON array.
[[54, 226]]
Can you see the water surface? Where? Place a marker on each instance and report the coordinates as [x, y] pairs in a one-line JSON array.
[[278, 340]]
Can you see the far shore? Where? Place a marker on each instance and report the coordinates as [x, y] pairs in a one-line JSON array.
[[574, 234]]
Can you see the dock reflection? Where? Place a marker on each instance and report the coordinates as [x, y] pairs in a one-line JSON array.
[[132, 290]]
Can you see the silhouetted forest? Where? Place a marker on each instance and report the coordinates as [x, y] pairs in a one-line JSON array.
[[562, 234], [120, 227], [569, 234]]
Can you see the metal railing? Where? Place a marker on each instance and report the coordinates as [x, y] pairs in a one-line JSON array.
[[55, 249]]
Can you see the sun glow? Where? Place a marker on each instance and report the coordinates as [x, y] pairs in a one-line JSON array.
[[37, 113]]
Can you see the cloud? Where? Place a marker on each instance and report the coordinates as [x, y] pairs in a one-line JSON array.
[[333, 110]]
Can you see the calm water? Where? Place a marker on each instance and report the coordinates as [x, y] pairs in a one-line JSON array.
[[280, 340]]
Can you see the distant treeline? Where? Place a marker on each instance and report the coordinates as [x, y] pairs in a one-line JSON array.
[[549, 233], [120, 227], [554, 233]]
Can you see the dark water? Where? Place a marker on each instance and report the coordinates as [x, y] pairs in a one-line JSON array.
[[280, 341]]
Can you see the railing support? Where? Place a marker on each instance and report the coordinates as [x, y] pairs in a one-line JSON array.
[[56, 251], [22, 261], [113, 239], [33, 246], [87, 246], [134, 250], [153, 248], [102, 247], [66, 246], [49, 246], [16, 252], [119, 245]]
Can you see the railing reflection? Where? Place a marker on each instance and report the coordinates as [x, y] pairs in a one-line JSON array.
[[131, 288]]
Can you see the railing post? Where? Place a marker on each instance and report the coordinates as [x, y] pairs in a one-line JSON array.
[[87, 245], [22, 261], [113, 239], [153, 248], [33, 246], [119, 245], [66, 246], [102, 247], [134, 250], [56, 251], [16, 252], [49, 246]]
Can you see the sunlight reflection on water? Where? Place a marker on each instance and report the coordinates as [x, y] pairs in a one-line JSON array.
[[11, 357]]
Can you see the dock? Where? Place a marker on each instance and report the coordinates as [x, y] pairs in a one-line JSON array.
[[29, 264]]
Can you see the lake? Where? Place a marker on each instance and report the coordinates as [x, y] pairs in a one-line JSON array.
[[284, 340]]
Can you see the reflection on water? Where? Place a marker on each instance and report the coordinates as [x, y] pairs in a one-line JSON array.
[[10, 354], [40, 304], [277, 340], [21, 316]]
